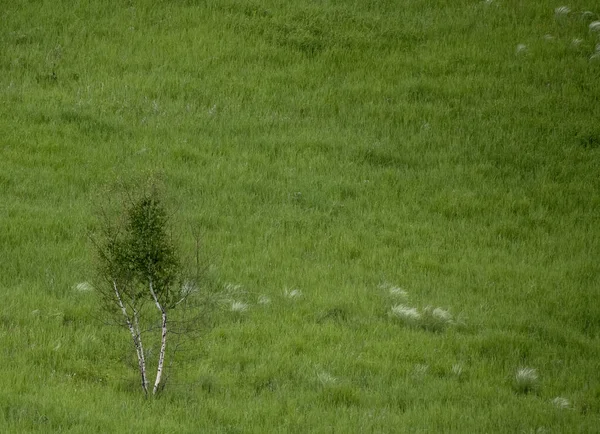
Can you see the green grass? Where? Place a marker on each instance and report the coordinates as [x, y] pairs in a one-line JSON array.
[[338, 148]]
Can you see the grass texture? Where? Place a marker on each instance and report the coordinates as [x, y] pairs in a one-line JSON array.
[[398, 204]]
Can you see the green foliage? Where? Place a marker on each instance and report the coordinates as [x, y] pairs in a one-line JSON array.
[[142, 251]]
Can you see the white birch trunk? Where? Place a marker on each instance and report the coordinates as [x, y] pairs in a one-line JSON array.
[[141, 357], [163, 340], [136, 336]]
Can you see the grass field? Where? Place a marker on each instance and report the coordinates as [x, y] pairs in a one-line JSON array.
[[351, 166]]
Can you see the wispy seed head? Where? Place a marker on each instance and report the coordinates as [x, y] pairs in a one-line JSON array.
[[293, 294], [232, 287], [562, 403], [527, 374], [406, 314], [263, 299], [587, 15], [457, 369], [526, 380], [238, 306], [83, 287], [326, 378], [396, 291], [561, 11], [521, 49], [441, 314], [420, 370]]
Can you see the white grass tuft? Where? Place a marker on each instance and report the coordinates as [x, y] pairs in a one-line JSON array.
[[441, 314], [406, 314], [526, 380], [561, 11], [83, 287], [420, 370], [232, 287], [576, 42], [292, 294], [587, 15], [594, 26], [393, 290], [263, 299], [457, 370], [527, 374], [436, 319], [430, 318], [239, 307], [396, 291], [562, 403], [325, 378], [521, 49]]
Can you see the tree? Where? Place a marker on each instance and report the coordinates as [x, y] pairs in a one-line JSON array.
[[139, 267]]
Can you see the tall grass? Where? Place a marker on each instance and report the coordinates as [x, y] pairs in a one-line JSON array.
[[327, 153]]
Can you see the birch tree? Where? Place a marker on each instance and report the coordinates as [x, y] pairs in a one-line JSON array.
[[142, 277]]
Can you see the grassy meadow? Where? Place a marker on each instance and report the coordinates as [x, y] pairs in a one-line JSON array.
[[398, 203]]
